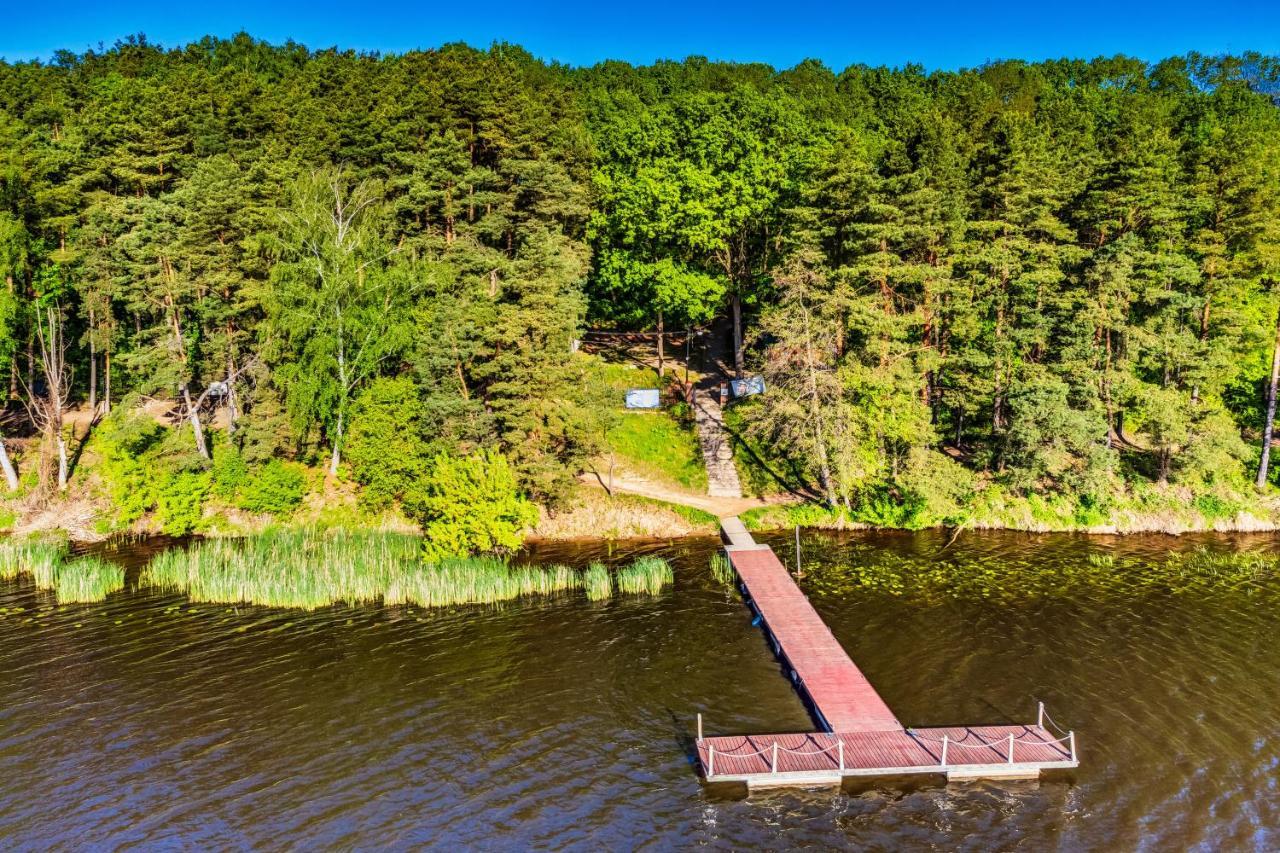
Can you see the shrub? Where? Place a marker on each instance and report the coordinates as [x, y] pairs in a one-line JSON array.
[[386, 448], [180, 501], [277, 487], [471, 504], [230, 473], [121, 440], [942, 486]]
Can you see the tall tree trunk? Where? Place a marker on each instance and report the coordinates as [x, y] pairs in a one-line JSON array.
[[735, 303], [336, 458], [193, 415], [62, 462], [93, 371], [815, 415], [232, 411], [1269, 425], [10, 475], [662, 365], [106, 387]]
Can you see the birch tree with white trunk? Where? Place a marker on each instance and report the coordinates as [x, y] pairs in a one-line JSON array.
[[334, 305]]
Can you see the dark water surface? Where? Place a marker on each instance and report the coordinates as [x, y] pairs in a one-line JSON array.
[[563, 723]]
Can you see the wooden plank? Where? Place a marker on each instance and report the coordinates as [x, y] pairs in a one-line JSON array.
[[838, 690], [863, 737], [975, 751]]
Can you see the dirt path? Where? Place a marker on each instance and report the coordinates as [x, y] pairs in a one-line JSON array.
[[719, 507]]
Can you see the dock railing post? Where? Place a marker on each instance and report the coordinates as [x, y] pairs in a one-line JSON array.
[[840, 750], [699, 728], [1010, 749], [1040, 715], [1072, 737], [944, 750], [798, 572], [774, 767], [711, 760]]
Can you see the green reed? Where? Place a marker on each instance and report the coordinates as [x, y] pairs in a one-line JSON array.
[[598, 582], [37, 556], [476, 580], [721, 569], [646, 575], [86, 580], [312, 568]]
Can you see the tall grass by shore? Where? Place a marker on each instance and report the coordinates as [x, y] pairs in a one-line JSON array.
[[87, 580], [476, 580], [287, 568], [646, 575], [311, 568], [598, 582], [36, 556]]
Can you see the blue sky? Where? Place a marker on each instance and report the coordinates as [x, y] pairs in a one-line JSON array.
[[934, 33]]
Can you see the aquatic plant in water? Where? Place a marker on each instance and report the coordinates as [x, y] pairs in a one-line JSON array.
[[645, 575], [721, 570], [311, 568], [598, 582], [87, 579], [37, 556]]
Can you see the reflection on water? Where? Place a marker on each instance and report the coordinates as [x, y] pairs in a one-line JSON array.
[[146, 720]]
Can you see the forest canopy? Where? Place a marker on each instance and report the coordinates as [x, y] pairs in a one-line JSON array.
[[1058, 276]]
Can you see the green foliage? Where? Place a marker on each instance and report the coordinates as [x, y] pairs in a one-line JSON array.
[[388, 448], [277, 488], [230, 473], [1060, 273], [472, 504], [123, 442], [179, 500]]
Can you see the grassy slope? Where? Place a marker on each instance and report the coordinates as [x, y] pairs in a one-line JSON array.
[[653, 444]]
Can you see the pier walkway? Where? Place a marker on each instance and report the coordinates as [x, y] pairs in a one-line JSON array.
[[861, 737]]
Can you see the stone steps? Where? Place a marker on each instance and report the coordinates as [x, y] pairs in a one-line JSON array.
[[717, 448]]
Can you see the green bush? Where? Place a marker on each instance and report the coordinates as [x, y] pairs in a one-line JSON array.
[[180, 501], [122, 441], [230, 473], [386, 447], [471, 504], [277, 487]]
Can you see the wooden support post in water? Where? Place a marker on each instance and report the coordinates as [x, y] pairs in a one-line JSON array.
[[1072, 736], [774, 764], [1040, 715], [699, 728], [1010, 748], [944, 750], [840, 750], [711, 761]]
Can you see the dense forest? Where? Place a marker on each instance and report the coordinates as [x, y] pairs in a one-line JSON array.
[[1053, 278]]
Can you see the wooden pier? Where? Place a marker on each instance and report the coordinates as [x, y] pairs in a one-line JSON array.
[[861, 737]]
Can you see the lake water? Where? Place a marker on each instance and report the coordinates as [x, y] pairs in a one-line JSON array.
[[564, 723]]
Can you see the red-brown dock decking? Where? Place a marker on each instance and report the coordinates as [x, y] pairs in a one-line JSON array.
[[862, 737], [840, 694]]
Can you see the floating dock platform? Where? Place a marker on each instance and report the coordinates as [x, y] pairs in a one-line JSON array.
[[860, 736]]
